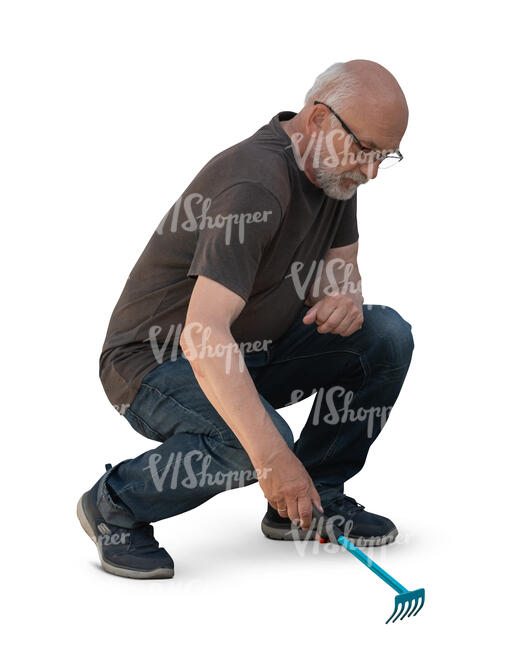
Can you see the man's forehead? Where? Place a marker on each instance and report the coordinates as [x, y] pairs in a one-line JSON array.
[[369, 142], [375, 135]]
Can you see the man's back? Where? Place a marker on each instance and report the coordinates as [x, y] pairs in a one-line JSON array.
[[250, 220]]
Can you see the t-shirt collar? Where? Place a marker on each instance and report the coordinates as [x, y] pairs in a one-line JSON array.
[[279, 131]]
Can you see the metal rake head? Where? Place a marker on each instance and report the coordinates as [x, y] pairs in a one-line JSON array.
[[408, 603]]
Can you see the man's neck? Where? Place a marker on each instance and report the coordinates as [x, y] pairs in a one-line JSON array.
[[289, 126], [294, 126]]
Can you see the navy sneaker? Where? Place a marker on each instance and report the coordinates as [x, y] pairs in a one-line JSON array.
[[349, 517], [126, 552]]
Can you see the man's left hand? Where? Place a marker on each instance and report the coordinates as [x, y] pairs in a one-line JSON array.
[[337, 314]]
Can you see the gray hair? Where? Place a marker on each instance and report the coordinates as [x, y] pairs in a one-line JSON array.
[[335, 86]]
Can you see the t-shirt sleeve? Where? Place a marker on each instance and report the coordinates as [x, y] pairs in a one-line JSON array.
[[347, 232], [239, 224]]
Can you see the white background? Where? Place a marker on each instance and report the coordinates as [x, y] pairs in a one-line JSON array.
[[109, 109]]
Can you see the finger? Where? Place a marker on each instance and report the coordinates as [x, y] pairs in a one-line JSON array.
[[325, 311], [355, 325], [339, 318], [305, 511], [310, 316], [319, 313], [322, 318], [292, 511], [346, 324], [315, 498], [282, 509], [355, 316], [272, 503]]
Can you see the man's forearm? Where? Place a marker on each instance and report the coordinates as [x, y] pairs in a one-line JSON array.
[[227, 384], [336, 275]]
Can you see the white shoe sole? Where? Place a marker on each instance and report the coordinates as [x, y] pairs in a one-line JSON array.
[[300, 535]]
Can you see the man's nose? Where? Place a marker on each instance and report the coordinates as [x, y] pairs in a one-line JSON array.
[[370, 169]]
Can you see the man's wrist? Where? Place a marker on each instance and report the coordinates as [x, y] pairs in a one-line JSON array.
[[266, 454]]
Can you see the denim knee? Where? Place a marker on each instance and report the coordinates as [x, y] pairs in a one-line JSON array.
[[283, 428], [399, 336], [394, 338]]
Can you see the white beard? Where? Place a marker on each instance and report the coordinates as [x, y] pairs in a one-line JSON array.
[[332, 185]]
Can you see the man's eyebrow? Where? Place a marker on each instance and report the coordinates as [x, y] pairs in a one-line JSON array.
[[372, 145], [369, 144]]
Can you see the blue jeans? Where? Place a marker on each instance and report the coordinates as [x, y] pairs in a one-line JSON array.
[[357, 380]]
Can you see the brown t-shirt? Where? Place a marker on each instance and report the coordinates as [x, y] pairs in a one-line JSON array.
[[250, 220]]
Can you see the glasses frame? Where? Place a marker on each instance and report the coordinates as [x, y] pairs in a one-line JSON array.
[[396, 154]]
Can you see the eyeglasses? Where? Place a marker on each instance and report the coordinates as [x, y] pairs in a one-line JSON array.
[[368, 156]]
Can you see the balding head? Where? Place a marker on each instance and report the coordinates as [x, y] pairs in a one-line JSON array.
[[363, 88], [369, 100]]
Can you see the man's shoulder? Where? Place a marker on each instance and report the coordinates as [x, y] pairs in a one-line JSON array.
[[259, 159]]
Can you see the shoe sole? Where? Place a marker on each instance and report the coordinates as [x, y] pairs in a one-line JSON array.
[[298, 534], [113, 568]]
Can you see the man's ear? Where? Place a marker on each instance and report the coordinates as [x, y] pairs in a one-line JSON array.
[[315, 118]]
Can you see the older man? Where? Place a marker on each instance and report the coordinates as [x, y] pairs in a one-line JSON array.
[[247, 298]]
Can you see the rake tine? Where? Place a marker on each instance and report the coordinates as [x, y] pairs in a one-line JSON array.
[[410, 605], [421, 605], [394, 612], [413, 607], [403, 606]]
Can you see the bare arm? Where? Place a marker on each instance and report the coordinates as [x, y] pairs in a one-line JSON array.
[[340, 271], [225, 380]]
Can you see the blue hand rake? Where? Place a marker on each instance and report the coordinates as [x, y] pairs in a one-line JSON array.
[[408, 603]]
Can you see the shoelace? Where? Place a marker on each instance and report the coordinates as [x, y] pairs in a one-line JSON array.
[[353, 506]]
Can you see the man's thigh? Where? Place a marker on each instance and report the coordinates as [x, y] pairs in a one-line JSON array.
[[171, 401], [303, 360]]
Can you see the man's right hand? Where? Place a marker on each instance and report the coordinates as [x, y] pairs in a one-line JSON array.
[[288, 487]]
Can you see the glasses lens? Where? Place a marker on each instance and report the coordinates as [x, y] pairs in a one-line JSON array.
[[389, 162]]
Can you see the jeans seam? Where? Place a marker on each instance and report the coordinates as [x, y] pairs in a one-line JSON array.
[[366, 369], [145, 424], [105, 495], [318, 354], [142, 484]]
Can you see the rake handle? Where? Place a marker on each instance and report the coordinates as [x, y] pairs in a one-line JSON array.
[[362, 557], [373, 566]]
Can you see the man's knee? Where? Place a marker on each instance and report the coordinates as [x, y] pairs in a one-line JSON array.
[[400, 338], [395, 335], [284, 429]]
